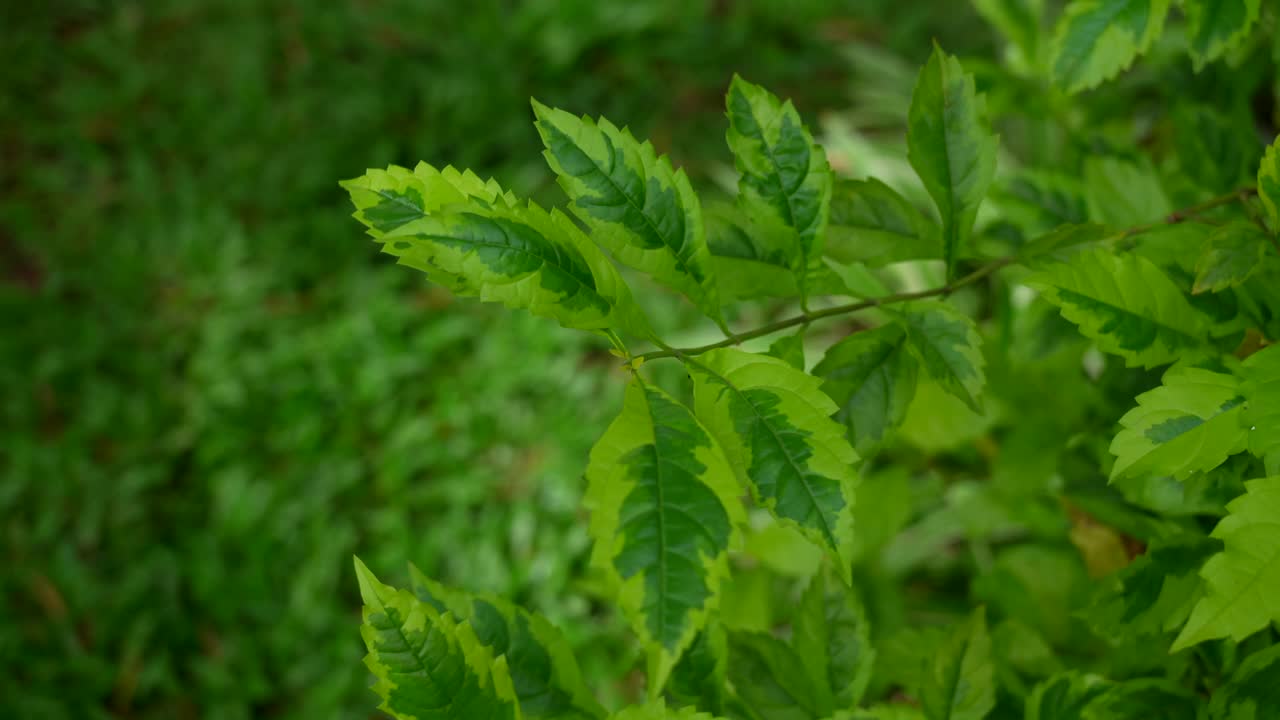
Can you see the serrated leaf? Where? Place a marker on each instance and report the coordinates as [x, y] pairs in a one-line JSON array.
[[784, 179], [949, 348], [1251, 693], [960, 683], [1216, 26], [1231, 255], [770, 678], [699, 677], [1127, 305], [637, 206], [1096, 39], [387, 199], [1243, 581], [1269, 183], [789, 349], [1261, 389], [749, 266], [429, 666], [1153, 595], [544, 673], [1191, 423], [872, 224], [871, 375], [775, 425], [832, 638], [951, 148], [664, 515]]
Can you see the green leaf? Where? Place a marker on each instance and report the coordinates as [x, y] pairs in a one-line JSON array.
[[1216, 26], [1144, 698], [658, 710], [700, 675], [960, 683], [949, 348], [1217, 150], [1191, 423], [664, 515], [1064, 242], [770, 677], [1231, 255], [785, 182], [1127, 305], [1040, 201], [1123, 194], [429, 666], [749, 265], [1153, 595], [871, 375], [1261, 389], [1096, 39], [1269, 184], [872, 224], [477, 241], [1018, 21], [789, 349], [951, 148], [832, 638], [1065, 696], [644, 212], [1244, 579], [775, 425], [1251, 692], [544, 673]]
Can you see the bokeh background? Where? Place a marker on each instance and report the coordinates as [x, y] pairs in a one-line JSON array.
[[214, 391]]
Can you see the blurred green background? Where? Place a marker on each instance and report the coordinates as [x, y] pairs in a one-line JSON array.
[[215, 391]]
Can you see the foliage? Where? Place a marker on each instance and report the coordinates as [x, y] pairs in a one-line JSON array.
[[981, 501]]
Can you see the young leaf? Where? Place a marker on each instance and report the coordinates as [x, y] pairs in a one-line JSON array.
[[1096, 39], [951, 148], [1261, 389], [387, 199], [785, 182], [1191, 423], [1244, 579], [428, 665], [960, 682], [1250, 694], [664, 514], [637, 206], [871, 375], [871, 223], [1269, 183], [949, 348], [1127, 305], [1153, 595], [1231, 255], [544, 674], [1216, 26], [770, 677], [775, 425], [831, 636]]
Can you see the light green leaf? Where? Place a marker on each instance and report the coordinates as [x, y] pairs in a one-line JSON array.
[[770, 677], [785, 182], [1191, 423], [960, 682], [1269, 183], [1261, 389], [1231, 255], [658, 710], [664, 513], [478, 241], [951, 148], [544, 673], [1096, 39], [1250, 694], [429, 666], [644, 212], [749, 265], [872, 224], [949, 348], [871, 375], [832, 638], [1244, 579], [1216, 26], [1127, 305], [1153, 595], [1123, 194], [775, 425]]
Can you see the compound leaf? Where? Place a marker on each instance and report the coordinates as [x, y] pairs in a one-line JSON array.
[[637, 206], [1243, 581], [1127, 305], [1097, 39], [428, 665], [785, 181], [960, 681], [775, 425], [1191, 423], [951, 148], [1216, 26], [871, 375], [664, 515], [948, 345]]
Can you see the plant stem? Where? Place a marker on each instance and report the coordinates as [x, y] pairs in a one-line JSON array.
[[807, 316]]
